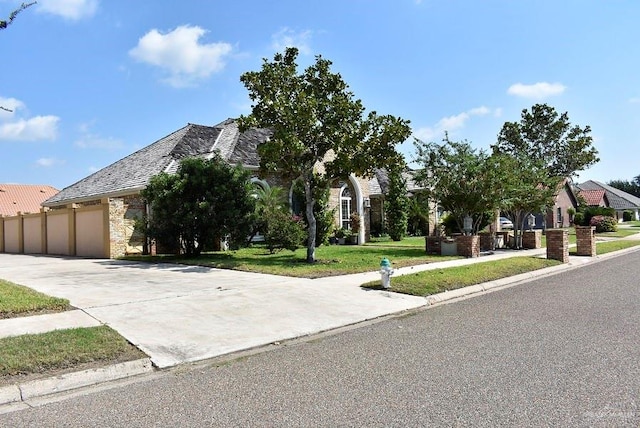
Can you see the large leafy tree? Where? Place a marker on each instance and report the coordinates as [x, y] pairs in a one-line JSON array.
[[204, 201], [548, 139], [316, 120], [463, 180], [544, 149]]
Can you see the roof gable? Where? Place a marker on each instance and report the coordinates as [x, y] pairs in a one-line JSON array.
[[618, 199], [24, 198], [132, 173]]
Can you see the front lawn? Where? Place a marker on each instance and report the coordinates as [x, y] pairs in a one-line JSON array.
[[610, 246], [17, 300], [439, 280], [331, 260]]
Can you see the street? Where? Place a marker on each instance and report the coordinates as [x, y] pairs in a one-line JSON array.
[[558, 351]]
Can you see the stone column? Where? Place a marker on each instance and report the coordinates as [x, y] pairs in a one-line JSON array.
[[586, 240], [532, 239], [468, 245], [558, 245]]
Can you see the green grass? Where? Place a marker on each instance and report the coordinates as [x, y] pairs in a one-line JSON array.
[[17, 300], [620, 233], [385, 241], [610, 246], [330, 259], [439, 280], [62, 349]]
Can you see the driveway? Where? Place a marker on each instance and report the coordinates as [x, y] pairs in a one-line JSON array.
[[179, 314]]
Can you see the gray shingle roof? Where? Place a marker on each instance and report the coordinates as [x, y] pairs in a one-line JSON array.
[[133, 172], [617, 198], [379, 184]]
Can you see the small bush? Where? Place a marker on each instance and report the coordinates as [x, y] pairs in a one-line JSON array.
[[627, 215], [578, 219], [597, 211], [284, 231], [604, 223]]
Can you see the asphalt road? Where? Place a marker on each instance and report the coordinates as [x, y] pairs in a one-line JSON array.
[[559, 351]]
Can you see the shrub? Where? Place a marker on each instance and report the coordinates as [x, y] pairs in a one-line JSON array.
[[578, 219], [627, 215], [284, 231], [595, 211], [604, 223]]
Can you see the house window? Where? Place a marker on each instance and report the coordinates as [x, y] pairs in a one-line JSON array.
[[559, 216], [345, 207]]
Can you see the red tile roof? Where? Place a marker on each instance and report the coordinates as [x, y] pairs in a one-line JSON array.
[[24, 198], [593, 197]]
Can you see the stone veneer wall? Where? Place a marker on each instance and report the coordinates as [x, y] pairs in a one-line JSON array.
[[468, 245], [532, 239], [586, 241], [558, 245], [117, 235]]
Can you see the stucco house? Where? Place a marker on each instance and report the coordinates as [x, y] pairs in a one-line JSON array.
[[117, 187], [617, 199]]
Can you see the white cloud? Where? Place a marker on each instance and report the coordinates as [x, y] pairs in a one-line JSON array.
[[48, 162], [287, 38], [69, 9], [537, 90], [181, 55], [92, 141], [634, 100], [451, 124], [34, 129]]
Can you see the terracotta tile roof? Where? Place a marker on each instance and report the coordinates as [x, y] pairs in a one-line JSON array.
[[593, 198], [25, 198]]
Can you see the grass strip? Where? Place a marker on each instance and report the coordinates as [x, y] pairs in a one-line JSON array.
[[610, 246], [439, 280], [61, 349], [17, 300]]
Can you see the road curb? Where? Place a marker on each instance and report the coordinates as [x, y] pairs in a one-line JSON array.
[[69, 381]]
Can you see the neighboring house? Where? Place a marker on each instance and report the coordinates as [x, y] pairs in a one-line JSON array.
[[558, 216], [616, 198], [117, 187], [378, 188], [594, 198], [23, 198]]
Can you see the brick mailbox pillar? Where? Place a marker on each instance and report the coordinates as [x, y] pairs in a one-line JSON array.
[[432, 244], [468, 246], [558, 245], [532, 239], [586, 240]]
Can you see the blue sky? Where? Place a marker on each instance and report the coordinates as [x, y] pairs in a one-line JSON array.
[[91, 81]]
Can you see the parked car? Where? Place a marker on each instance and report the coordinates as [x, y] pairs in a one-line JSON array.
[[505, 223]]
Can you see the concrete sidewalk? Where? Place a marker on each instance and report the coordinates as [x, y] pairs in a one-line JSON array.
[[179, 314]]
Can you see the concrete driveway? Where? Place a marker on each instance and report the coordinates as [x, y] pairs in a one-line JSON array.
[[178, 314]]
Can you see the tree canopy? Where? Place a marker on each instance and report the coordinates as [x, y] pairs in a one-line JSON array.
[[463, 180], [548, 139], [205, 200], [316, 120]]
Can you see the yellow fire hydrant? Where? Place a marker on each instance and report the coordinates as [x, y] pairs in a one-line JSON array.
[[385, 272]]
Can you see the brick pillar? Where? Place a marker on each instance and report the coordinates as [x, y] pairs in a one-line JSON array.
[[468, 246], [487, 242], [432, 244], [586, 240], [532, 239], [558, 245]]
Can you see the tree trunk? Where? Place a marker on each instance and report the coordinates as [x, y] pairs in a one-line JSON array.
[[311, 219]]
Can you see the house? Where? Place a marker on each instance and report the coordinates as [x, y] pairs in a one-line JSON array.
[[557, 216], [98, 215], [23, 198], [617, 199], [594, 198]]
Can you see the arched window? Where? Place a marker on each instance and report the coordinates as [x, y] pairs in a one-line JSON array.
[[345, 207]]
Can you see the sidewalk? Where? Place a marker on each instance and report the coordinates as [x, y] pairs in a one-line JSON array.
[[217, 312]]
